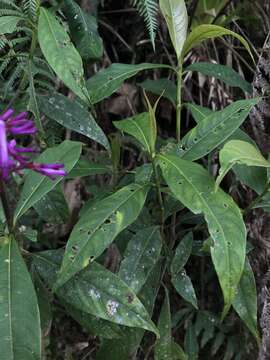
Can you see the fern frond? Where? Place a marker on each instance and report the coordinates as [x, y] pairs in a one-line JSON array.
[[30, 8], [44, 85], [11, 12], [3, 42], [4, 65], [21, 40], [46, 74], [148, 9], [11, 81], [9, 3]]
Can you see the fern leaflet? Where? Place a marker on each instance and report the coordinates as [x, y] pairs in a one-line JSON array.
[[148, 9]]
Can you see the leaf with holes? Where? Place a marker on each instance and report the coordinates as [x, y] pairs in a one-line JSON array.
[[254, 177], [128, 345], [83, 29], [139, 126], [107, 81], [46, 265], [61, 54], [36, 185], [221, 72], [18, 307], [141, 254], [53, 207], [239, 152], [245, 301], [99, 226], [175, 13], [194, 187], [213, 130], [208, 31], [99, 292], [72, 115]]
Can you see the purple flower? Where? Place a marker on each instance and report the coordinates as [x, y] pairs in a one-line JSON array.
[[14, 158], [4, 158]]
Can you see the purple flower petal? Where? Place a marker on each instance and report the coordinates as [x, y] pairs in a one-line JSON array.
[[4, 159], [6, 115]]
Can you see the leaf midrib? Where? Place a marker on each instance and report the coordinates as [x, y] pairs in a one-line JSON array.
[[9, 301]]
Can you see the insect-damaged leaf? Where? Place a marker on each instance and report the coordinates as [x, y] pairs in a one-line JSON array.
[[194, 187], [98, 227]]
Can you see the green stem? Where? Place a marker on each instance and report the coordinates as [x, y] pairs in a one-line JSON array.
[[179, 102], [6, 208], [257, 200]]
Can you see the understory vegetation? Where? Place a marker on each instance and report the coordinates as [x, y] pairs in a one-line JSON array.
[[134, 179]]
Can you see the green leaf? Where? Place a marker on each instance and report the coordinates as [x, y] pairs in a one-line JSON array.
[[141, 255], [107, 81], [253, 177], [72, 115], [8, 24], [18, 307], [184, 287], [99, 226], [143, 174], [53, 207], [175, 13], [36, 185], [194, 187], [83, 29], [128, 345], [140, 127], [213, 130], [163, 86], [182, 253], [61, 54], [198, 112], [148, 9], [33, 103], [95, 325], [239, 152], [177, 352], [191, 342], [221, 72], [163, 347], [245, 301], [204, 32], [43, 297], [99, 292], [88, 168], [46, 264]]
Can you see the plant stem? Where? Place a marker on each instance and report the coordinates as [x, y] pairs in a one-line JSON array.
[[6, 208], [159, 195], [258, 199], [179, 101]]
